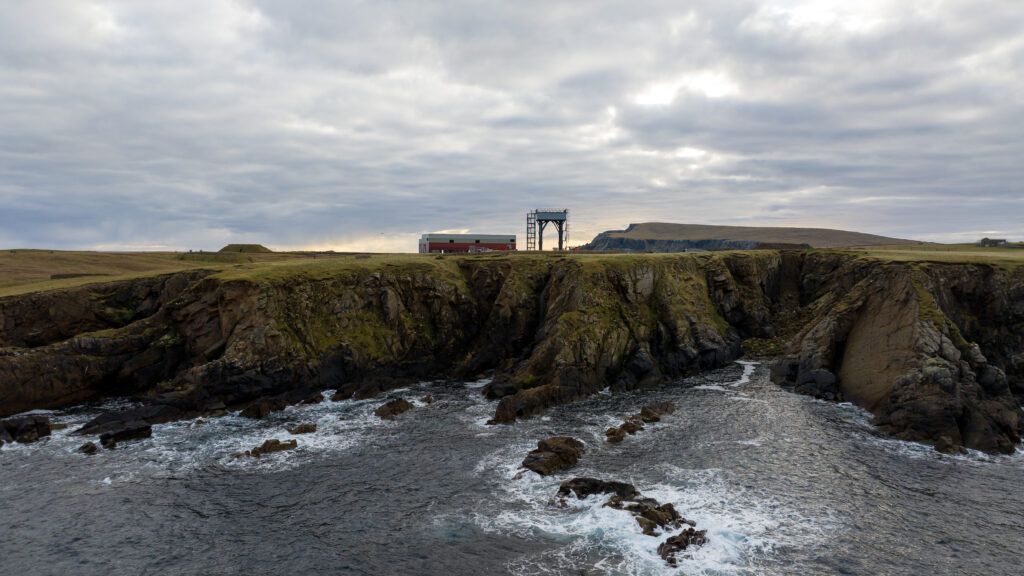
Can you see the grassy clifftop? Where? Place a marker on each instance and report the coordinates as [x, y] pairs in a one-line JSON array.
[[25, 271]]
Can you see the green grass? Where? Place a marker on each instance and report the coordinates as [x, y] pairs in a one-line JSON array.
[[946, 254], [24, 271]]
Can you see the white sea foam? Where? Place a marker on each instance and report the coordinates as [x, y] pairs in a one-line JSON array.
[[748, 372], [180, 446], [741, 527]]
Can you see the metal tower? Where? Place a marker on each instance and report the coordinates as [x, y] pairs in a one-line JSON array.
[[537, 220]]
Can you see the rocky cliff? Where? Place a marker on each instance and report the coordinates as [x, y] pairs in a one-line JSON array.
[[934, 351]]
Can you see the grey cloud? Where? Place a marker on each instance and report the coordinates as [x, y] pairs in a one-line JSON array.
[[190, 124]]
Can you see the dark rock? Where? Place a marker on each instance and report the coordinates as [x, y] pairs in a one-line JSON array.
[[305, 428], [632, 425], [651, 515], [24, 429], [583, 487], [393, 408], [428, 399], [262, 407], [314, 398], [88, 448], [131, 431], [654, 412], [554, 455], [111, 421], [946, 445], [680, 543], [615, 435], [269, 447]]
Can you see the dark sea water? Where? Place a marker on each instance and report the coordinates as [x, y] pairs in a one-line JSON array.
[[784, 484]]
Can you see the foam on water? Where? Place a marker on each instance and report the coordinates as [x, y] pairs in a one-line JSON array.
[[178, 447], [741, 527]]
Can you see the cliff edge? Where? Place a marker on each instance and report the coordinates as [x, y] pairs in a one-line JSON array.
[[935, 351]]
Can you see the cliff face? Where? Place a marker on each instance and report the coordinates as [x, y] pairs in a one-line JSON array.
[[932, 351]]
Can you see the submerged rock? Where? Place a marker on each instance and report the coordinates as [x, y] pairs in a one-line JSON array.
[[88, 448], [393, 408], [24, 429], [428, 399], [132, 431], [304, 428], [554, 454]]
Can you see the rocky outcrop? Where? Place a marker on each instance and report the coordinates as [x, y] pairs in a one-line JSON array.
[[635, 423], [393, 408], [304, 428], [689, 537], [269, 447], [584, 487], [554, 454], [41, 318], [553, 329], [905, 342], [653, 517], [24, 429]]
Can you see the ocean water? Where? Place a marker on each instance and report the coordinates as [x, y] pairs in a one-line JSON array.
[[784, 484]]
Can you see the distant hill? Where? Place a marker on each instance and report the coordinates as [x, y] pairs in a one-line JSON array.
[[667, 237], [247, 248]]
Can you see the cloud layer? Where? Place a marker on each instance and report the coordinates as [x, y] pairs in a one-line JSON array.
[[359, 125]]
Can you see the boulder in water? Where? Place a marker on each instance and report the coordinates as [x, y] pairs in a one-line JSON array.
[[24, 429], [428, 399], [131, 431], [680, 542], [88, 448], [615, 435], [393, 408], [554, 454], [583, 487], [654, 412], [268, 447], [304, 428]]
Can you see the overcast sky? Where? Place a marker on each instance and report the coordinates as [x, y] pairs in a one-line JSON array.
[[360, 125]]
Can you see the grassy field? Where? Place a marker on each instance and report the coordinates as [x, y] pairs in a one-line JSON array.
[[947, 253], [23, 271]]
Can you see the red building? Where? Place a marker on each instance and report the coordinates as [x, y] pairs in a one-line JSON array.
[[448, 243]]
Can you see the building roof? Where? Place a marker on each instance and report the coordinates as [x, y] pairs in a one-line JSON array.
[[489, 238]]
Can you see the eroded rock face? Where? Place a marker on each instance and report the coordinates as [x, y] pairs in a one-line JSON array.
[[888, 344], [393, 408], [554, 454], [932, 350]]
